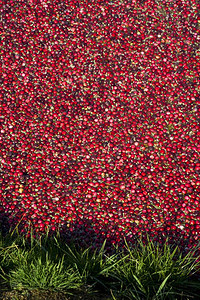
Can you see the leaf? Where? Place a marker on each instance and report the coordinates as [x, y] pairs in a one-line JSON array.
[[162, 285], [140, 284]]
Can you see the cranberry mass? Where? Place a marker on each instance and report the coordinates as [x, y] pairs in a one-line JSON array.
[[99, 118]]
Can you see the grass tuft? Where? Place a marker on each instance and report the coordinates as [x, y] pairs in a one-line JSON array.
[[144, 271], [151, 272]]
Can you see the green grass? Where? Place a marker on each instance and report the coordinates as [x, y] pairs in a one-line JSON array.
[[151, 272], [49, 266]]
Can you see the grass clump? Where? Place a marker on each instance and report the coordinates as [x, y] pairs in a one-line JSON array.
[[38, 273], [50, 265], [92, 265], [151, 272]]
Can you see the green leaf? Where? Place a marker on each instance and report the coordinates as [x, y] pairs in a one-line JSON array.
[[162, 285]]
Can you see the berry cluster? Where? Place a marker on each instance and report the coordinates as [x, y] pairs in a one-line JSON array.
[[99, 117]]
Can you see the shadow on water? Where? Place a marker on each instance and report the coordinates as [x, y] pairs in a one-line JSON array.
[[4, 221], [82, 232]]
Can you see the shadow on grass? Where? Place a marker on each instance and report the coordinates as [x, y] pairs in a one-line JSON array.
[[46, 295]]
